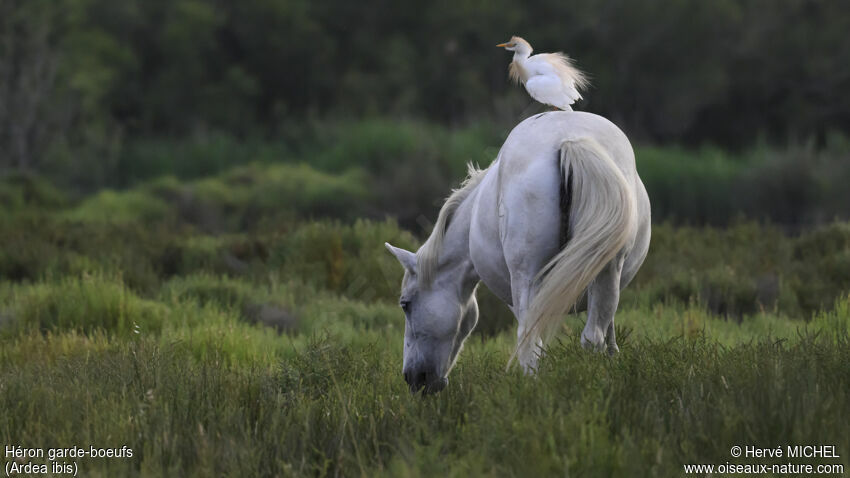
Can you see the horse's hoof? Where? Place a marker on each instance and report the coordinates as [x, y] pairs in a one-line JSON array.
[[593, 344], [613, 350]]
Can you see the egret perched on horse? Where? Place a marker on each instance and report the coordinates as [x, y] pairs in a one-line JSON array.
[[560, 213], [549, 78]]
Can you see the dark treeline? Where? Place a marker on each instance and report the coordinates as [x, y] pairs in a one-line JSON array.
[[96, 72]]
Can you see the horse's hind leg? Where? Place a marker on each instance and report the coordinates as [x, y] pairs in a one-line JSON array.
[[603, 297], [522, 285], [530, 237]]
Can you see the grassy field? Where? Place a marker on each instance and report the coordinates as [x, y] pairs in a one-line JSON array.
[[195, 389], [246, 324]]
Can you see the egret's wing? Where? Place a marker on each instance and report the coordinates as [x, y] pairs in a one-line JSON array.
[[550, 90], [572, 78]]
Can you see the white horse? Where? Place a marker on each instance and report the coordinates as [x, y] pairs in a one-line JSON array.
[[560, 211]]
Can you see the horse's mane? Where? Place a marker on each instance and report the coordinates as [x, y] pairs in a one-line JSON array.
[[429, 253]]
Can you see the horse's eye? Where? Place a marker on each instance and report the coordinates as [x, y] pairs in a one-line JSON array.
[[405, 305]]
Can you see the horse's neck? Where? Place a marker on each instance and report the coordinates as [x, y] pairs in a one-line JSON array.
[[454, 258]]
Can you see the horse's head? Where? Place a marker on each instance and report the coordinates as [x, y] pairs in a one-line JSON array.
[[437, 321]]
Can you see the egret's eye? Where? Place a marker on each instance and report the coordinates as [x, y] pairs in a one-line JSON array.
[[405, 305]]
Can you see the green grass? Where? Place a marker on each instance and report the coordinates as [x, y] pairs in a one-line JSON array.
[[212, 395], [197, 386], [246, 324]]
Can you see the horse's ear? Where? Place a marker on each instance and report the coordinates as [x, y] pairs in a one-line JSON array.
[[406, 258]]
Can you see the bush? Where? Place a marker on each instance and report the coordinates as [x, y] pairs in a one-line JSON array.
[[198, 156], [794, 187], [240, 199], [22, 190], [253, 303], [736, 271], [350, 260], [410, 165], [689, 186], [40, 247], [726, 293], [206, 289], [88, 304], [121, 207], [822, 266]]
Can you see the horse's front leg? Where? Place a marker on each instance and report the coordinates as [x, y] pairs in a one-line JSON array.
[[611, 339], [603, 296]]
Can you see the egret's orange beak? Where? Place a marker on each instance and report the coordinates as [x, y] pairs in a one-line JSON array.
[[502, 45]]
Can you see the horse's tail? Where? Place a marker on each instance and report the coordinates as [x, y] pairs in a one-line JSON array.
[[602, 218]]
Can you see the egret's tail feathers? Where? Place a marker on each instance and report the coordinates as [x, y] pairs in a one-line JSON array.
[[602, 219]]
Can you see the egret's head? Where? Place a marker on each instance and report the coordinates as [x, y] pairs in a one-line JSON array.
[[516, 44], [437, 321]]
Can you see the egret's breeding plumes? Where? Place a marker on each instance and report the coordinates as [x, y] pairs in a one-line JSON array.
[[549, 78]]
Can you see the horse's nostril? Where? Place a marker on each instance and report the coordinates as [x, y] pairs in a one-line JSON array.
[[429, 380], [436, 385]]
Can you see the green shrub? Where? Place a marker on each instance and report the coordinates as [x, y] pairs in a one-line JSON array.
[[298, 190], [88, 304], [822, 242], [375, 145], [734, 271], [835, 321], [265, 196], [822, 266], [345, 318], [121, 207], [244, 197], [727, 293], [689, 186], [198, 156], [22, 190], [794, 186], [39, 247], [228, 255], [204, 288], [350, 260], [26, 254], [409, 165]]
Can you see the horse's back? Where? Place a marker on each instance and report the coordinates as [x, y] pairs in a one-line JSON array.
[[541, 136], [538, 139]]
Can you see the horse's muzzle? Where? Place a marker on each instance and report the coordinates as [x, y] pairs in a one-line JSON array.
[[428, 382]]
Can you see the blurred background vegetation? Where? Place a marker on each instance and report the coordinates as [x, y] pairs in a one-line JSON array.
[[739, 108]]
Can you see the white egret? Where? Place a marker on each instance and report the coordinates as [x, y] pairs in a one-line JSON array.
[[549, 78]]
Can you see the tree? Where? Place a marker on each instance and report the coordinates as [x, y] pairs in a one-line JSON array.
[[28, 69]]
